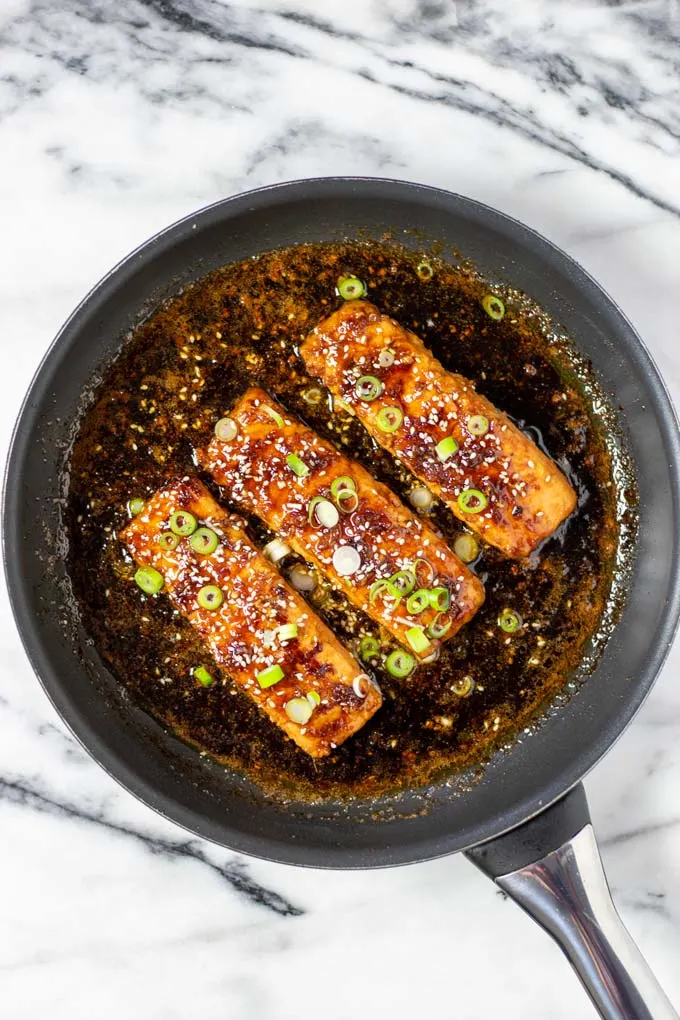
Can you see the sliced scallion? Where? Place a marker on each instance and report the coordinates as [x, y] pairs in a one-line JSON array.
[[361, 685], [368, 648], [421, 498], [384, 586], [440, 598], [424, 270], [347, 500], [417, 639], [226, 429], [440, 626], [404, 581], [446, 448], [210, 597], [386, 358], [287, 632], [149, 580], [297, 466], [368, 387], [509, 621], [183, 523], [204, 678], [493, 306], [463, 687], [417, 602], [312, 396], [299, 710], [466, 548], [346, 560], [351, 287], [276, 550], [389, 419], [168, 540], [269, 676], [314, 698], [135, 506], [429, 570], [323, 512], [204, 541], [400, 663], [302, 578], [477, 425], [472, 501], [311, 509], [274, 415], [343, 482]]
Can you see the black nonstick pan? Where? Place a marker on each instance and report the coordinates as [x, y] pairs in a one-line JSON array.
[[525, 823]]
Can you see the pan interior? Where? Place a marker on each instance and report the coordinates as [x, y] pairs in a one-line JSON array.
[[204, 796], [186, 366]]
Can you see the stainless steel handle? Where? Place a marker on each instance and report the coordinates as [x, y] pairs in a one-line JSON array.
[[566, 891]]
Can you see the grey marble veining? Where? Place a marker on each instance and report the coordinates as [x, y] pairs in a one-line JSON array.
[[116, 120]]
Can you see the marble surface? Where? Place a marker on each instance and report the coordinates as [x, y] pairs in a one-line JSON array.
[[116, 119]]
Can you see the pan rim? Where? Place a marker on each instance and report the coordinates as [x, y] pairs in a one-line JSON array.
[[265, 847]]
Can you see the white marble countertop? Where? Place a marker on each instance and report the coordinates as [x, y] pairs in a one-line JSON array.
[[116, 119]]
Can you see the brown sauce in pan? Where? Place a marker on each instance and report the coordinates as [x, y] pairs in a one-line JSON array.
[[181, 371]]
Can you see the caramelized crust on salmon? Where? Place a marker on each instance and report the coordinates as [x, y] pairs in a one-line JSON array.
[[276, 467], [518, 495], [243, 633]]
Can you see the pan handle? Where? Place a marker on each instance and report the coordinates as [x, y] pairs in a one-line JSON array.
[[551, 866]]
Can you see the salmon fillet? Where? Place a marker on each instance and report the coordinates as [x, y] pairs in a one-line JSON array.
[[492, 477], [243, 632], [275, 467]]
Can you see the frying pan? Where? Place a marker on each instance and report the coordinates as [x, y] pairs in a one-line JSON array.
[[525, 823]]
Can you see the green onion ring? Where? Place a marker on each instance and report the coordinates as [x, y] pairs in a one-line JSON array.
[[204, 541], [135, 506], [417, 602], [472, 501], [368, 387], [183, 523], [168, 540], [440, 626], [439, 598], [389, 419], [493, 306], [299, 710], [384, 585], [210, 597], [399, 663], [509, 621], [347, 501], [149, 580], [368, 648], [343, 482], [404, 581], [351, 287], [274, 415], [477, 425], [466, 548], [463, 687]]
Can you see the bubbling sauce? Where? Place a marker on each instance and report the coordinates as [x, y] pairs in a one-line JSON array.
[[182, 370]]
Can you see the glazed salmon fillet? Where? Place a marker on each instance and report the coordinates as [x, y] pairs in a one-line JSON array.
[[388, 563], [239, 603], [491, 476]]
